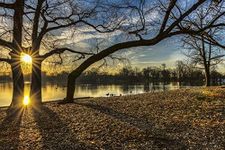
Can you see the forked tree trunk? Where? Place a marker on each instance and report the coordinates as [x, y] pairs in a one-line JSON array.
[[18, 84], [35, 90]]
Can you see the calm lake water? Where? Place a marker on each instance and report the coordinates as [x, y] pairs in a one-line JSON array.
[[53, 91]]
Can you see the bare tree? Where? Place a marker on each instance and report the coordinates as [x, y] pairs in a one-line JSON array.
[[175, 22], [37, 23], [15, 45], [200, 49], [34, 24], [202, 54]]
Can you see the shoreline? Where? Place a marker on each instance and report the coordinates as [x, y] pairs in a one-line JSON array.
[[58, 100]]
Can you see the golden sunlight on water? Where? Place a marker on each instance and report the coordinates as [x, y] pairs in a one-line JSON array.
[[56, 91], [26, 99]]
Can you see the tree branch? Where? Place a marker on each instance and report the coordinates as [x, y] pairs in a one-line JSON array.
[[107, 30], [190, 10], [6, 5], [166, 17], [6, 44], [106, 52], [62, 50], [36, 23], [217, 57], [5, 60], [196, 32]]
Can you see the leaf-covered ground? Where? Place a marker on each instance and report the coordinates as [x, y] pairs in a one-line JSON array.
[[181, 119]]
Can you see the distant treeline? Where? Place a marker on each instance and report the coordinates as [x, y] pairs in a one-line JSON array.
[[151, 74], [5, 78], [181, 73]]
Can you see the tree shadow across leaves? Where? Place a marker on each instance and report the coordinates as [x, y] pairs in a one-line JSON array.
[[160, 139], [55, 133], [133, 120], [10, 129]]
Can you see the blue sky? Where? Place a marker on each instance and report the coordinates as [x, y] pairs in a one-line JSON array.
[[167, 51]]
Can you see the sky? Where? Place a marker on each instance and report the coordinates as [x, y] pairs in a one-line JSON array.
[[167, 51]]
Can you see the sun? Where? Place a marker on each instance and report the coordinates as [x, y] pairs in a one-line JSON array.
[[26, 58], [26, 100]]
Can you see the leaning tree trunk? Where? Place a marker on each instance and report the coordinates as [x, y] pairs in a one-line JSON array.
[[18, 84], [35, 91], [70, 88]]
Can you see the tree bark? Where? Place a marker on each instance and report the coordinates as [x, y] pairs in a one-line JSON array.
[[207, 77], [18, 85], [36, 82], [70, 88], [17, 75]]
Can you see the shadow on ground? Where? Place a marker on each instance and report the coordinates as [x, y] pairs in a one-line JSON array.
[[160, 139], [55, 133], [10, 129]]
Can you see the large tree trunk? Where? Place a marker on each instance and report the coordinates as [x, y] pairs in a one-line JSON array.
[[70, 88], [17, 75], [18, 85], [35, 91]]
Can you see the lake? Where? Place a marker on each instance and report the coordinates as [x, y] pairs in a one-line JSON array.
[[54, 91]]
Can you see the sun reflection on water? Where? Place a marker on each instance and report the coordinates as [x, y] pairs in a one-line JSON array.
[[26, 100]]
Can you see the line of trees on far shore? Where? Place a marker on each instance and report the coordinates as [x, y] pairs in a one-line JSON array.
[[181, 72]]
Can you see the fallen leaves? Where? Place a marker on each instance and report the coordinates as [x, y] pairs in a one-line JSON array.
[[180, 119]]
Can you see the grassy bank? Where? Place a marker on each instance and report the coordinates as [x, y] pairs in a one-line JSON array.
[[181, 119]]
